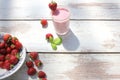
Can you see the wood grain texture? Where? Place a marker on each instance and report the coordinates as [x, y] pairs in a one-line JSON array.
[[75, 67], [80, 9], [95, 27], [84, 36]]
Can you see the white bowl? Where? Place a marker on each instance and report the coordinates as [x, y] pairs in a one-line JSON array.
[[6, 73]]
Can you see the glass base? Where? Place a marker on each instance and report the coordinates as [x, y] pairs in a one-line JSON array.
[[62, 34]]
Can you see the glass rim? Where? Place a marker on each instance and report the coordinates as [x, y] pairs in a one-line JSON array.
[[67, 18]]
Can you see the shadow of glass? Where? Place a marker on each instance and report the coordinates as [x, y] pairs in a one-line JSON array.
[[70, 41]]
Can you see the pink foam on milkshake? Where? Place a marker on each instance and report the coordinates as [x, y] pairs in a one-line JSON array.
[[61, 20]]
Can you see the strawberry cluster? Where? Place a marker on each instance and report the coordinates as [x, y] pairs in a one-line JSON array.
[[33, 63], [10, 48]]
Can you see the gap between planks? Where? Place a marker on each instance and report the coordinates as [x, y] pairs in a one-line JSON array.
[[51, 19], [78, 52]]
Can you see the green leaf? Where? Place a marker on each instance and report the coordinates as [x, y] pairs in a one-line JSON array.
[[57, 41], [51, 39], [54, 47]]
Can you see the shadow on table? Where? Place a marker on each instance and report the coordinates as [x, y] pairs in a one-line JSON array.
[[70, 41]]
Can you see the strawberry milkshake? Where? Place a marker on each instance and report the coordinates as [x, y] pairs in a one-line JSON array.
[[61, 20]]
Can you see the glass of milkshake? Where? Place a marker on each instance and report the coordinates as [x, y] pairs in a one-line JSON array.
[[61, 18]]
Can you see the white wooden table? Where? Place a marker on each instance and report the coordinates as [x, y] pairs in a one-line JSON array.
[[95, 27]]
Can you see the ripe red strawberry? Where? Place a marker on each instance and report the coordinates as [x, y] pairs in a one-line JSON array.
[[2, 44], [44, 22], [41, 74], [33, 55], [8, 50], [38, 62], [7, 37], [12, 46], [14, 39], [14, 52], [1, 64], [53, 5], [31, 71], [18, 45], [13, 60], [49, 37], [29, 64], [7, 65], [2, 57], [3, 51], [43, 78], [7, 57]]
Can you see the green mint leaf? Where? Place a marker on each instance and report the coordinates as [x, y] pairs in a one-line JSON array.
[[54, 47], [57, 41]]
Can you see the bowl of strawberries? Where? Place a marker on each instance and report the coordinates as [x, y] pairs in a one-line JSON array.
[[12, 55]]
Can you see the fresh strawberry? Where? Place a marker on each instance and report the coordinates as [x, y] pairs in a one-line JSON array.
[[8, 50], [29, 64], [31, 71], [14, 39], [1, 64], [7, 37], [2, 57], [38, 62], [3, 51], [7, 57], [12, 46], [13, 60], [49, 37], [14, 52], [43, 78], [44, 22], [41, 74], [18, 45], [33, 55], [7, 65], [2, 44], [53, 5]]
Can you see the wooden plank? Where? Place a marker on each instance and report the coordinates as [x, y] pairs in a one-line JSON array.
[[80, 9], [75, 67], [84, 36]]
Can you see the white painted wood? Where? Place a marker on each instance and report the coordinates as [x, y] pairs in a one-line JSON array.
[[84, 36], [80, 9], [89, 33], [75, 67]]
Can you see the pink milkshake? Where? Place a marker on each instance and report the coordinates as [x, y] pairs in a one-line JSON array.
[[61, 20]]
